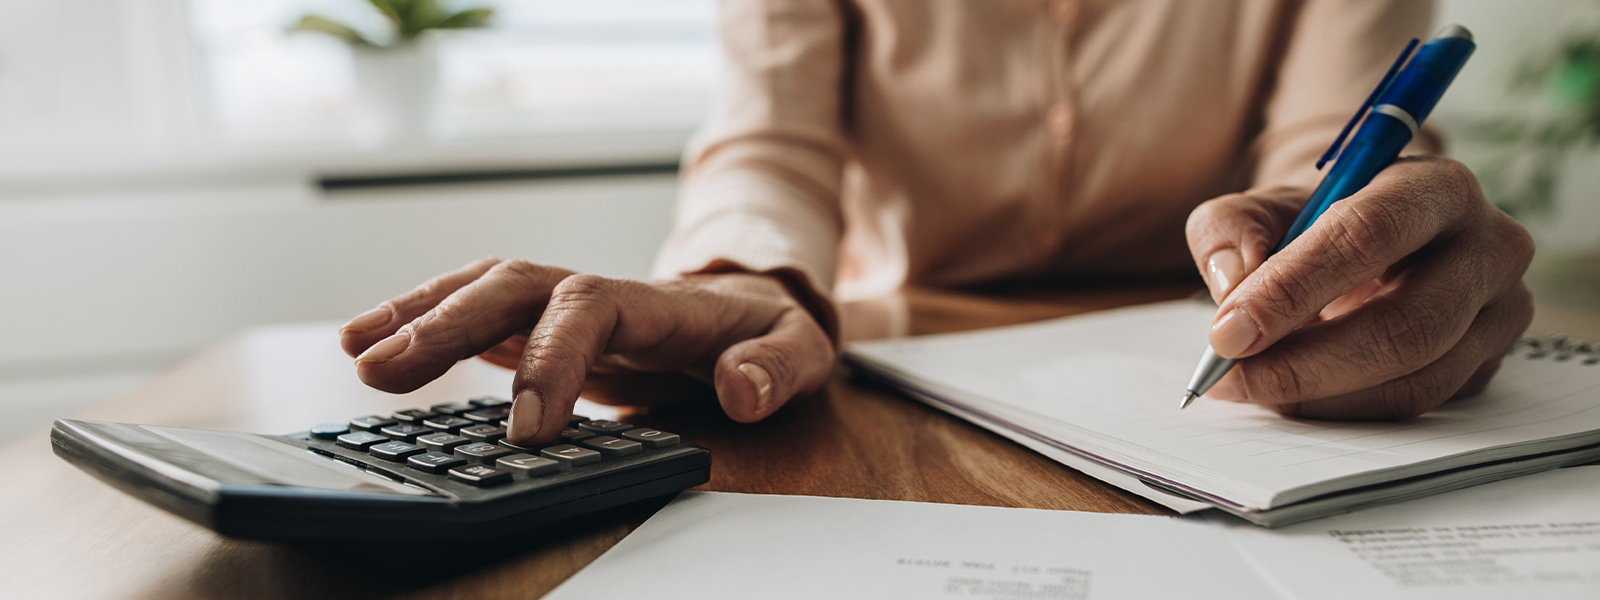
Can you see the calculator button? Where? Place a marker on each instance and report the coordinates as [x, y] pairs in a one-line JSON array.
[[483, 433], [652, 438], [452, 408], [435, 462], [395, 451], [572, 435], [414, 416], [480, 452], [447, 423], [614, 447], [528, 464], [571, 456], [488, 415], [360, 440], [441, 442], [575, 420], [328, 431], [516, 448], [405, 431], [371, 423], [489, 402], [604, 426], [480, 475]]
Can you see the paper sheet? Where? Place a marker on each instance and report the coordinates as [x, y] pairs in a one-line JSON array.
[[1532, 537], [716, 546], [1108, 384]]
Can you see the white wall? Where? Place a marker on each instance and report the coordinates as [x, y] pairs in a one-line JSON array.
[[99, 291], [1509, 32], [99, 288]]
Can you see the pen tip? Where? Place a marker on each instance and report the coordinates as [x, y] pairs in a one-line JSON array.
[[1188, 398]]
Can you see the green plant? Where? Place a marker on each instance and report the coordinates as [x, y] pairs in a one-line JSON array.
[[407, 18], [1529, 152]]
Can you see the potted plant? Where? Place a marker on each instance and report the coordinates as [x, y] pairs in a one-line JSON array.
[[397, 71]]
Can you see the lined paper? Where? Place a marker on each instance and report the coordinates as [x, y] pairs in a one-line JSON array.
[[1108, 385]]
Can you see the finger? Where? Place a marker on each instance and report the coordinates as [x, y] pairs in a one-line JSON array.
[[757, 376], [1358, 239], [1464, 370], [1404, 328], [1229, 236], [575, 329], [466, 323], [381, 322]]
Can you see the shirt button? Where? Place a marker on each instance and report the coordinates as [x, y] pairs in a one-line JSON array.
[[1064, 11], [1060, 120]]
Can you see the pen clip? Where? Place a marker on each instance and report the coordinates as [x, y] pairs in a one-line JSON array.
[[1338, 143]]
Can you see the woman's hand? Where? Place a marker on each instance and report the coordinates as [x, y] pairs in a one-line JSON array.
[[1400, 297], [744, 333]]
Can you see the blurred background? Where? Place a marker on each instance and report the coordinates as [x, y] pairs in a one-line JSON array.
[[172, 171]]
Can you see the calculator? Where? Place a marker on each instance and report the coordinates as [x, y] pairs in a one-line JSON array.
[[436, 474]]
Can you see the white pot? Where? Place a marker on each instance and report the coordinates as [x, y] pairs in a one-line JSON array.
[[397, 93]]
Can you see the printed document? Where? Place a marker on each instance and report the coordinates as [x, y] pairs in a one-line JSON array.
[[1532, 537], [715, 546]]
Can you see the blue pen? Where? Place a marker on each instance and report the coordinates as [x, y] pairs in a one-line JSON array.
[[1393, 113]]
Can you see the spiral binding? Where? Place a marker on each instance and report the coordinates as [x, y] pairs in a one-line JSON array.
[[1557, 346]]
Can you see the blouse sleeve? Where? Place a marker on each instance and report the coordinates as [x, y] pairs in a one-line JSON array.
[[761, 181], [1337, 53]]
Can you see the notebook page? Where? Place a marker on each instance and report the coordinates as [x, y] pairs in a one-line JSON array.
[[1109, 384]]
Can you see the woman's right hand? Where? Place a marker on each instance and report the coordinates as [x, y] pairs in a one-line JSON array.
[[745, 333]]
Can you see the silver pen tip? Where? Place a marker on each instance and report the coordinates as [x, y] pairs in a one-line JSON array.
[[1188, 399]]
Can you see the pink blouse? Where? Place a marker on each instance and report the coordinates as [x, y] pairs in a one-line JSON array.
[[862, 145]]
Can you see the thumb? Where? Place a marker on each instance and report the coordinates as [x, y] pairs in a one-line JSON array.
[[757, 376], [1230, 236]]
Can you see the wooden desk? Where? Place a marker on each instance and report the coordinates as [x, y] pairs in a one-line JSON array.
[[66, 535]]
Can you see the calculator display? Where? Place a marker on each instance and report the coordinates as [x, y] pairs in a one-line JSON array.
[[230, 457]]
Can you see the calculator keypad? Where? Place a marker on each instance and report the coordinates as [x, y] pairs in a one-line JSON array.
[[465, 443], [480, 452], [360, 440], [395, 451], [571, 456], [441, 442]]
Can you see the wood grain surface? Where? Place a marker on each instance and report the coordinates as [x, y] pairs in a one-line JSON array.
[[66, 535]]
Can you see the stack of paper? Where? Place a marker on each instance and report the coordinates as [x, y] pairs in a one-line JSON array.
[[1104, 388], [1535, 537]]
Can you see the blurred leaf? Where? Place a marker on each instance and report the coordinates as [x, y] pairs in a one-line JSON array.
[[389, 10], [468, 19], [321, 24]]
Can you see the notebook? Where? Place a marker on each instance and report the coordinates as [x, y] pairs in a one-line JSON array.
[[1104, 387]]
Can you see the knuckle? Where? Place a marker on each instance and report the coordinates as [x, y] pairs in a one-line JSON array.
[[1282, 301], [1361, 232], [1279, 382], [1204, 217], [1516, 241], [581, 288], [521, 270], [1461, 179], [1411, 340]]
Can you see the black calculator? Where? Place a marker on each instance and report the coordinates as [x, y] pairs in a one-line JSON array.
[[443, 473]]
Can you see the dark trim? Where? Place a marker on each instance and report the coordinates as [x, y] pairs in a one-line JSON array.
[[336, 182]]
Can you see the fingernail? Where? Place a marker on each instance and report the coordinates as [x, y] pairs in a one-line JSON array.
[[371, 319], [527, 403], [1228, 388], [386, 349], [1224, 269], [1234, 334], [763, 382]]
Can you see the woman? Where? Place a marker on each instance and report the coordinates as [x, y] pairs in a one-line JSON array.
[[862, 145]]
